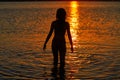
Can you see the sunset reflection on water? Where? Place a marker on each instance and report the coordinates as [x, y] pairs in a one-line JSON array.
[[95, 30], [74, 20]]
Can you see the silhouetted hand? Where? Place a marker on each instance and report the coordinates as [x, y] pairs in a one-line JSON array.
[[44, 47], [72, 49]]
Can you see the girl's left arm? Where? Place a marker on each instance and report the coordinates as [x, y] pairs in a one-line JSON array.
[[69, 36]]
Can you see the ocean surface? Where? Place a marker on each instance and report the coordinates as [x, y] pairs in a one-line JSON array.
[[95, 29]]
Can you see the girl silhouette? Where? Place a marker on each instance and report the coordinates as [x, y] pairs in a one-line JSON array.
[[59, 27]]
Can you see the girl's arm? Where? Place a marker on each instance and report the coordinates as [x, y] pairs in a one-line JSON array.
[[48, 36], [69, 36]]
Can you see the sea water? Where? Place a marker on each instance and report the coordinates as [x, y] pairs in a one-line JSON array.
[[95, 29]]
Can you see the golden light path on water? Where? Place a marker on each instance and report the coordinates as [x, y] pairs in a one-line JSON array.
[[74, 19], [71, 58]]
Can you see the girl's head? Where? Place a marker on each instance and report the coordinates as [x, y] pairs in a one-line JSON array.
[[61, 14]]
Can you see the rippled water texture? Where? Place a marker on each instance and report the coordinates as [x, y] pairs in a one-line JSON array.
[[95, 28]]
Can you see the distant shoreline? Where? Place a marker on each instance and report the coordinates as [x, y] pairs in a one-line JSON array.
[[56, 0]]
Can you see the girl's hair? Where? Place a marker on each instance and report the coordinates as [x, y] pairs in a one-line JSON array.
[[61, 14]]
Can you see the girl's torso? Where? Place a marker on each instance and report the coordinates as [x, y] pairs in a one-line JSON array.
[[59, 30]]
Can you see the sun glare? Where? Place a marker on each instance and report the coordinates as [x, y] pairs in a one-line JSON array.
[[74, 4]]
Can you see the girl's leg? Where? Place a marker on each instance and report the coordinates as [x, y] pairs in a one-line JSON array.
[[55, 57], [62, 51], [55, 54], [62, 59]]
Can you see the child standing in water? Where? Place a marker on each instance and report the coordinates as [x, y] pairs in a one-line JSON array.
[[59, 27]]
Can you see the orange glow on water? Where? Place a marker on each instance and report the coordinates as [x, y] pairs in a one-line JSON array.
[[74, 19]]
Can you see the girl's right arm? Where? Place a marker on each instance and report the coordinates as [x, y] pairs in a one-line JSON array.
[[48, 36]]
